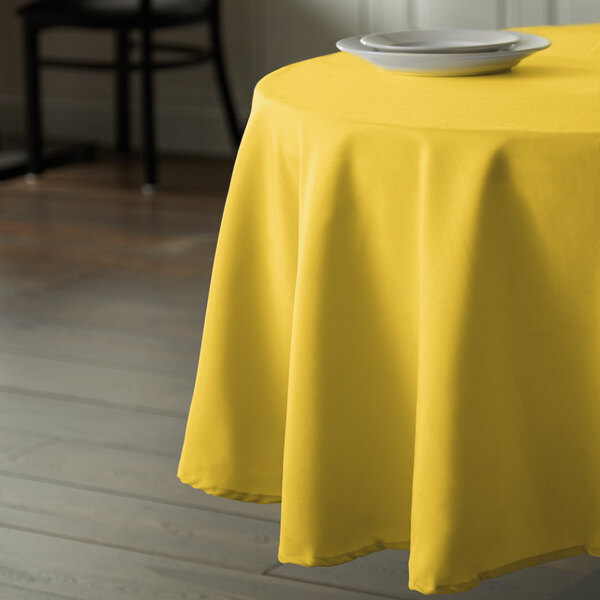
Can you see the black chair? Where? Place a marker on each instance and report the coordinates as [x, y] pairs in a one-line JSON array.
[[122, 16]]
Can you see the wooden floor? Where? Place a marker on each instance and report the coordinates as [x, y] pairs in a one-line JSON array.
[[102, 294]]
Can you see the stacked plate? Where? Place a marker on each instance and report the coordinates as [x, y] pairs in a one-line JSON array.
[[445, 52]]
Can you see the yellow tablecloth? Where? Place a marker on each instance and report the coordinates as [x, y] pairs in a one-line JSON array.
[[402, 342]]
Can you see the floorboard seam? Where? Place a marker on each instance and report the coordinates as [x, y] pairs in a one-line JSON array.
[[268, 570], [86, 400], [46, 594], [87, 442], [93, 362], [133, 496], [92, 542], [140, 334], [31, 449], [338, 587], [64, 282]]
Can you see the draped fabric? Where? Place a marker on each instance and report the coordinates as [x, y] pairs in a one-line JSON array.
[[402, 337]]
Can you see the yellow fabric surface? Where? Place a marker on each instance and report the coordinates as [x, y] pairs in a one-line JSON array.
[[402, 337]]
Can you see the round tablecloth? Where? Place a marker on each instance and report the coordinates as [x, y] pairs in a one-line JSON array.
[[402, 337]]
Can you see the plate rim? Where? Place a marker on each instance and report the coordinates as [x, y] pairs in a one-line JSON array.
[[542, 43], [483, 47]]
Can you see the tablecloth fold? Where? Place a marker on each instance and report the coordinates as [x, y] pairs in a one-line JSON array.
[[402, 334]]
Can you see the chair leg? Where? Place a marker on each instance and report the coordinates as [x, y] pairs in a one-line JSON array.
[[148, 142], [234, 128], [123, 145], [33, 118]]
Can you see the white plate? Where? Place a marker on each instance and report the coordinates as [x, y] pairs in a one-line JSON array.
[[440, 40], [459, 64]]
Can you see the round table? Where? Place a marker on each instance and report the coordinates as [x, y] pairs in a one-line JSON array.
[[402, 336]]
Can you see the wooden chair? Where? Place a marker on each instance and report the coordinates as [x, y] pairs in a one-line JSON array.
[[123, 17]]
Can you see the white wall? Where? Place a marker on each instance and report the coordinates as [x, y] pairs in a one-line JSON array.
[[261, 35]]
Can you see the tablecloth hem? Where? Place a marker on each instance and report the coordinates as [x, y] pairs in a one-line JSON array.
[[230, 494], [329, 561], [524, 563]]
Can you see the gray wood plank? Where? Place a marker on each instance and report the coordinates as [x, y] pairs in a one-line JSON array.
[[171, 291], [159, 304], [587, 588], [89, 572], [28, 278], [109, 242], [386, 573], [582, 564], [90, 423], [26, 332], [128, 473], [107, 385], [9, 592], [189, 534], [13, 442], [109, 205]]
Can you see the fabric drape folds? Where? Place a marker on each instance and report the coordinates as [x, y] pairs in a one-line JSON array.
[[402, 336]]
